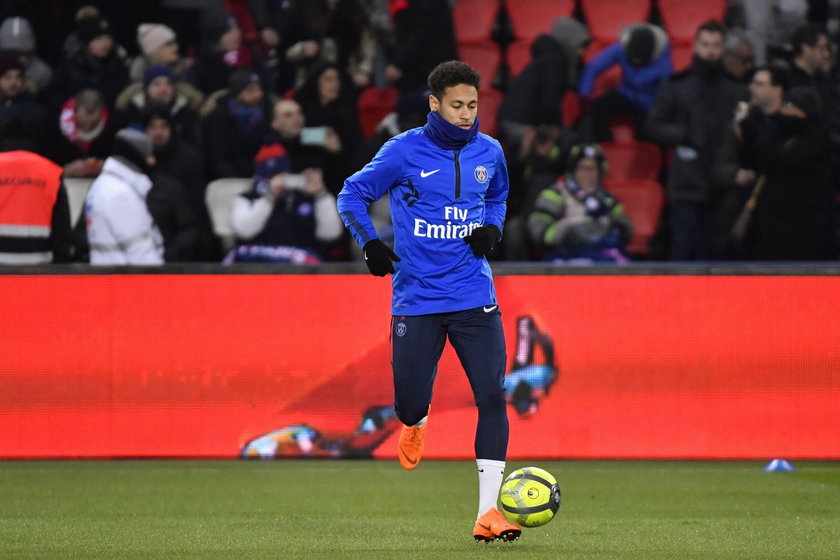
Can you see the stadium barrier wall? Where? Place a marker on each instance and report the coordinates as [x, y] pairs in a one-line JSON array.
[[652, 363]]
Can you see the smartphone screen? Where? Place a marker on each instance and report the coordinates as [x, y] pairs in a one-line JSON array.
[[313, 135]]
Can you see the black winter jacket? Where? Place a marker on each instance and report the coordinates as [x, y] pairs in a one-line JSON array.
[[693, 109], [535, 95]]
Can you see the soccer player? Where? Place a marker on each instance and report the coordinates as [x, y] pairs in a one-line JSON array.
[[448, 185]]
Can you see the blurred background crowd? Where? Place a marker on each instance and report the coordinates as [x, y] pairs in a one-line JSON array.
[[222, 130]]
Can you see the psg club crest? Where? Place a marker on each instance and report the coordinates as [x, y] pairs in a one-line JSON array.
[[401, 328], [481, 174]]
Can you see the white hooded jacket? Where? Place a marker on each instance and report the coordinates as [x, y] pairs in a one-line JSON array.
[[120, 229]]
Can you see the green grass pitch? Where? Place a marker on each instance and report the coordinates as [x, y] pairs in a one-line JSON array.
[[374, 510]]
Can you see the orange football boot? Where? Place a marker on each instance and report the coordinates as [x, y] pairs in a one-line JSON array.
[[493, 525], [410, 448]]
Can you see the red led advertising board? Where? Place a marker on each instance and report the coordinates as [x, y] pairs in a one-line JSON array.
[[299, 365]]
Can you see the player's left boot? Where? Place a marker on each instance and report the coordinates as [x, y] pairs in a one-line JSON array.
[[493, 525], [410, 448]]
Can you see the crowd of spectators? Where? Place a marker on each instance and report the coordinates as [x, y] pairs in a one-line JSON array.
[[153, 101]]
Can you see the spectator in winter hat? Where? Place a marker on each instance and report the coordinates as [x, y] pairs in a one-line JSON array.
[[220, 54], [17, 37], [73, 43], [158, 86], [152, 37], [158, 46], [233, 131], [643, 53], [96, 30], [534, 97], [98, 64], [244, 86], [120, 228], [286, 217], [576, 218]]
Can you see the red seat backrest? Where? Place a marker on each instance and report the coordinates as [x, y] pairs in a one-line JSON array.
[[633, 160], [373, 105], [488, 109], [681, 18], [484, 57], [518, 56], [643, 201], [606, 18], [474, 19], [531, 18]]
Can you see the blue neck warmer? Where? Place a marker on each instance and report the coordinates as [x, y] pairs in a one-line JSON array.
[[247, 118], [446, 135]]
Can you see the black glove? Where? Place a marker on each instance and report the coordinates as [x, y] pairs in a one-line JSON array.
[[483, 240], [378, 257]]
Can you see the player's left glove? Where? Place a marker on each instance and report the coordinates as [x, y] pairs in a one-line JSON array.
[[483, 240]]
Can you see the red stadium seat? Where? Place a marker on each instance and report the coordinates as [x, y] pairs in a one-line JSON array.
[[534, 17], [681, 56], [632, 160], [571, 108], [474, 19], [607, 81], [488, 109], [592, 49], [518, 56], [681, 18], [623, 129], [484, 57], [374, 104], [606, 18], [643, 201]]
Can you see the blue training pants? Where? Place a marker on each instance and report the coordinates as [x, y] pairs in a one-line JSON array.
[[478, 339]]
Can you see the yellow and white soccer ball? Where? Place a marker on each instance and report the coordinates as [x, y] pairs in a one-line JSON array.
[[530, 497]]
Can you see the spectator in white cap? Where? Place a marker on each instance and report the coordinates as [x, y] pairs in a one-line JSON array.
[[18, 38], [158, 46], [120, 229]]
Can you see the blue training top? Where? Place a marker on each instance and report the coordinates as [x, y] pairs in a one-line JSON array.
[[440, 191]]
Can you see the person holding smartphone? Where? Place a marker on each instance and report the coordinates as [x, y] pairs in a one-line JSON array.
[[287, 216]]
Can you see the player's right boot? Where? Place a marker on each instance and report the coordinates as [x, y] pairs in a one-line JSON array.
[[410, 448], [493, 525]]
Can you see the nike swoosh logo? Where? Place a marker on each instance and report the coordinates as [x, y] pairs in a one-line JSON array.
[[489, 309], [425, 174], [407, 459]]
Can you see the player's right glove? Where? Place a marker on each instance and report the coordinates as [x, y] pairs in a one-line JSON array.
[[379, 258], [483, 240]]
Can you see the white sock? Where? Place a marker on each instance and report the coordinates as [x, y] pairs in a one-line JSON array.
[[422, 422], [490, 474]]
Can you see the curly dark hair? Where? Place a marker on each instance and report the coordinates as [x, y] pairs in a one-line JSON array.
[[451, 73]]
